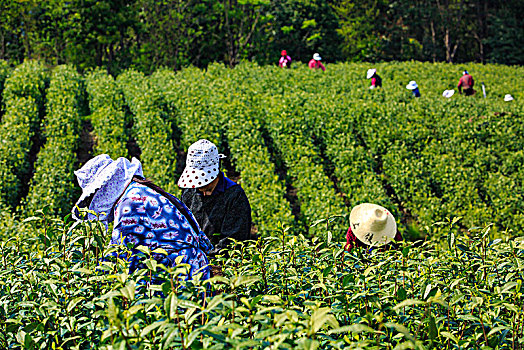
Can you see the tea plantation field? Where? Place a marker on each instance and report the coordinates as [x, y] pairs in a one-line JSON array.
[[306, 147]]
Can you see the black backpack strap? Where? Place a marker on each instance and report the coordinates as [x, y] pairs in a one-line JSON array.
[[181, 208]]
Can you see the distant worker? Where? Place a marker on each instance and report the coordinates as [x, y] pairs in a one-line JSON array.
[[376, 80], [466, 82], [414, 88], [220, 205], [315, 62], [371, 225], [285, 60]]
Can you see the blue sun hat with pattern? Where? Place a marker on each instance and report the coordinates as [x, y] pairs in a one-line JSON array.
[[103, 179]]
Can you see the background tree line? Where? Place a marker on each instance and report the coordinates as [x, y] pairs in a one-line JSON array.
[[149, 33]]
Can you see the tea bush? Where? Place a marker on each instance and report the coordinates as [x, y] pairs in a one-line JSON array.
[[54, 182], [152, 130], [108, 115], [282, 292], [23, 97], [237, 130], [5, 70]]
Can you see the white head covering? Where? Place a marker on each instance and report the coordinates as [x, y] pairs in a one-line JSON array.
[[372, 224], [370, 73], [202, 165], [448, 93], [465, 72], [508, 98], [317, 57], [412, 85], [104, 179]]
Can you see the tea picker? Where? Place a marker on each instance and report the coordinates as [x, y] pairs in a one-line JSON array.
[[220, 205], [414, 88], [376, 80], [285, 60], [371, 225], [508, 98], [315, 63], [143, 214], [466, 82], [448, 93]]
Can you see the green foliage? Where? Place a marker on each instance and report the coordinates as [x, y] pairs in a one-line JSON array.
[[334, 141], [152, 128], [285, 292], [23, 98], [5, 70], [193, 98], [54, 181], [108, 115], [147, 34]]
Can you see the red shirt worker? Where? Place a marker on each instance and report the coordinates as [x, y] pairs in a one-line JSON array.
[[315, 62], [466, 82]]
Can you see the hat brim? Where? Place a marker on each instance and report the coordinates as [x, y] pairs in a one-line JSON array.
[[448, 93], [368, 236], [198, 177], [411, 87], [370, 73]]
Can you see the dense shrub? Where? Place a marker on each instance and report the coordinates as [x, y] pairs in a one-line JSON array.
[[108, 115], [23, 98], [54, 183], [152, 129], [282, 292]]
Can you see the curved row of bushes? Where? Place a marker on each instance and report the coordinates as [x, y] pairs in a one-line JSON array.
[[23, 97], [315, 190], [274, 114], [205, 110], [151, 127], [54, 183], [108, 115]]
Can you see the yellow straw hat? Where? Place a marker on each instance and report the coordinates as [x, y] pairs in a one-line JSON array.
[[372, 224]]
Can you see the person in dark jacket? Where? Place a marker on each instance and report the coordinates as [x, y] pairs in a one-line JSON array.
[[371, 225], [376, 80], [466, 82], [219, 205]]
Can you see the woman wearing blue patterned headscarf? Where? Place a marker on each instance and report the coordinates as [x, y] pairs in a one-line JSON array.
[[143, 214]]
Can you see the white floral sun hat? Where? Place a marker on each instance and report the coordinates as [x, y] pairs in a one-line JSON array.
[[448, 93], [370, 73], [104, 179], [202, 165], [412, 85], [317, 57], [508, 98], [372, 224]]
